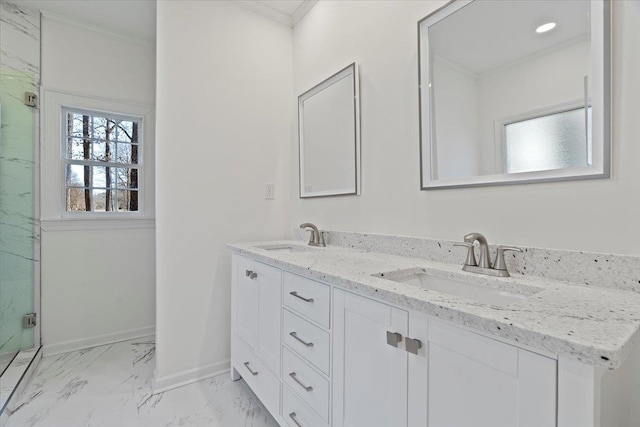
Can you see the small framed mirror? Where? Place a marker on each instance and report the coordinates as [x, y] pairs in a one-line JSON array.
[[515, 92], [329, 136]]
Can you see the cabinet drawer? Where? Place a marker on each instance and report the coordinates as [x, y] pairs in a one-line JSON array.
[[308, 385], [307, 340], [296, 413], [307, 297], [263, 383]]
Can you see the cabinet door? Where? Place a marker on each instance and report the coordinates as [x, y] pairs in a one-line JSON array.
[[269, 281], [474, 381], [370, 376], [245, 294]]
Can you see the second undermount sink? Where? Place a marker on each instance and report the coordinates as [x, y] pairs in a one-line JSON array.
[[285, 248], [480, 293]]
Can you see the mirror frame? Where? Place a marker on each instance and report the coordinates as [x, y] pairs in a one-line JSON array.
[[352, 70], [601, 98]]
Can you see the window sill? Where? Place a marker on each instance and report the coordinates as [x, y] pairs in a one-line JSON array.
[[74, 224]]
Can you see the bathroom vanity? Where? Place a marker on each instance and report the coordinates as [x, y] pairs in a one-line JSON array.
[[350, 337]]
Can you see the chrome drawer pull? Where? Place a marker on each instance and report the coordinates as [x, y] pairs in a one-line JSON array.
[[246, 364], [295, 420], [393, 338], [295, 294], [295, 378], [295, 335]]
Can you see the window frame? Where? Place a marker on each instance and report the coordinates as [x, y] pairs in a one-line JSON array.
[[65, 110], [53, 215], [500, 129]]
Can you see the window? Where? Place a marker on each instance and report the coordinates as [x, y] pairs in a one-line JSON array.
[[102, 167], [553, 141]]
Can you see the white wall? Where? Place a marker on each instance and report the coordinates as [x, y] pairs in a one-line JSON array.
[[382, 37], [224, 113], [98, 285], [456, 120]]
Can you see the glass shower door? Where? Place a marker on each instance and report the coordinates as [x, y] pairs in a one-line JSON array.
[[19, 229]]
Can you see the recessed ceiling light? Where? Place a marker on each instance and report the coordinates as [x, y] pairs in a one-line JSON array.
[[546, 27]]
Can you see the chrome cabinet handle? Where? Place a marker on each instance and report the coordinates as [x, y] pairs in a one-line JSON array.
[[393, 338], [295, 420], [295, 294], [254, 373], [251, 274], [295, 335], [295, 378], [412, 345]]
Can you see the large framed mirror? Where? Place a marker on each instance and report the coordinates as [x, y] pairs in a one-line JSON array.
[[515, 92], [329, 136]]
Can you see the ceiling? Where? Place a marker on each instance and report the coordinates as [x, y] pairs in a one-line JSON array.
[[137, 18], [485, 34]]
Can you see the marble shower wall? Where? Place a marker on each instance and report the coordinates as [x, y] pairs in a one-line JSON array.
[[587, 268], [19, 226]]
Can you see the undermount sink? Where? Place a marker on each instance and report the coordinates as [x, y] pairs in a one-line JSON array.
[[480, 293], [285, 248]]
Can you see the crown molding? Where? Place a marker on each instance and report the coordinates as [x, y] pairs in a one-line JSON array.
[[95, 29], [302, 10], [261, 8]]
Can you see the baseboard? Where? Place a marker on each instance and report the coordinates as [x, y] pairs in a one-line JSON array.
[[179, 379], [84, 343]]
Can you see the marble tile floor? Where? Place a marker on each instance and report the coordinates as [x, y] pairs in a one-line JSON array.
[[5, 360], [21, 367], [110, 386]]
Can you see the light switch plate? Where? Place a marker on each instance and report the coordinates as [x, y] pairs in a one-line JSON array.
[[269, 191]]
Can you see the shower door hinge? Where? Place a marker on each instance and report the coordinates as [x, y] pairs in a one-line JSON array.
[[30, 99], [29, 320]]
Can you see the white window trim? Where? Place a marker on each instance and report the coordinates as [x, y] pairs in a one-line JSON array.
[[53, 208], [140, 165]]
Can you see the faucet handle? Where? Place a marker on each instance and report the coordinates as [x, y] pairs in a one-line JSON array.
[[471, 254], [322, 238], [500, 264], [312, 237]]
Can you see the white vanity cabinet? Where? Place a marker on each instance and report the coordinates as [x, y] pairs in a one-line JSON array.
[[370, 376], [457, 378], [306, 352], [257, 307], [470, 380], [317, 355]]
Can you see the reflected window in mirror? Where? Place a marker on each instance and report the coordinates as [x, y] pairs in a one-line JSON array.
[[555, 141], [514, 91]]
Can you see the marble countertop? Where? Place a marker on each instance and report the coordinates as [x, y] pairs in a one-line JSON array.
[[598, 326]]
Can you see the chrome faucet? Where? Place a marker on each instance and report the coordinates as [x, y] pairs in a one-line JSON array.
[[316, 238], [470, 239], [499, 267]]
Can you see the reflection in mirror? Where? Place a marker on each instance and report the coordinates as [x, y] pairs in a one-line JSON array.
[[329, 136], [514, 91]]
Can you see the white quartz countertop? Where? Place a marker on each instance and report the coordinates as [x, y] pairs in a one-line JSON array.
[[598, 326]]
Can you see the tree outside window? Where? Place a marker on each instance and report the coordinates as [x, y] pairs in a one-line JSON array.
[[102, 165]]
